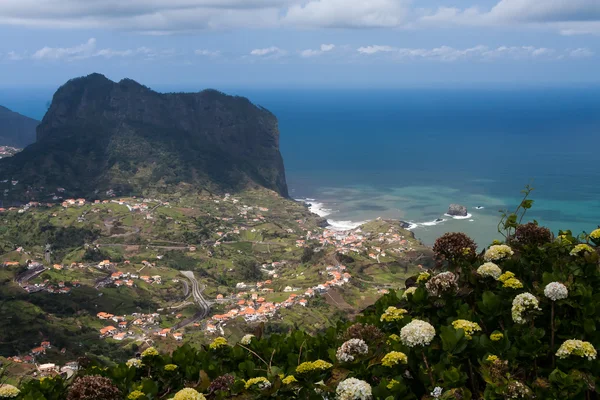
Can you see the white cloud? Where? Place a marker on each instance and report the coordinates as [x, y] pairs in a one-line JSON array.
[[376, 49], [581, 53], [348, 13], [153, 16], [207, 53], [89, 50], [567, 16], [312, 53], [269, 51], [476, 53], [85, 50]]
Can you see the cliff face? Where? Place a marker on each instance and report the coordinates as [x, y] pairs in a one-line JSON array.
[[100, 135], [16, 130]]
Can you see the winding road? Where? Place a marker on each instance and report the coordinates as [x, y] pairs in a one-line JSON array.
[[198, 298]]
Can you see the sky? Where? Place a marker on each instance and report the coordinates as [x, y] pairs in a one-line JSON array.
[[302, 43]]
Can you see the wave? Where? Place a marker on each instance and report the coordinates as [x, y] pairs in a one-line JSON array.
[[468, 216], [479, 207], [432, 223], [344, 225], [316, 207]]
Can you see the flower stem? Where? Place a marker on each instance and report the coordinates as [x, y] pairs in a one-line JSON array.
[[428, 369], [552, 336]]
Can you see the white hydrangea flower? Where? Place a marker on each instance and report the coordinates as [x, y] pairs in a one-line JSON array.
[[489, 269], [246, 339], [351, 348], [353, 389], [556, 291], [417, 333], [522, 303], [498, 252], [437, 392]]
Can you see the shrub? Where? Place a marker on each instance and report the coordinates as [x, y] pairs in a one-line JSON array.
[[93, 387], [531, 234], [454, 247]]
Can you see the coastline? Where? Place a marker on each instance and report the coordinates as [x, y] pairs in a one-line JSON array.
[[420, 230]]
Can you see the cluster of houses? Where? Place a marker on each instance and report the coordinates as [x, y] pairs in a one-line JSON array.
[[58, 288], [357, 241], [33, 353], [253, 307], [122, 327], [126, 279]]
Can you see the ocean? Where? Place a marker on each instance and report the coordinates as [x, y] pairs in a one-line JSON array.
[[408, 154]]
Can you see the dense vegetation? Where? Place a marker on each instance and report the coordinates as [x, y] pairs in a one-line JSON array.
[[517, 321], [100, 135]]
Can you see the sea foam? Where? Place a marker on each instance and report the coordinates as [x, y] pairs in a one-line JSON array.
[[316, 207], [344, 225], [468, 216]]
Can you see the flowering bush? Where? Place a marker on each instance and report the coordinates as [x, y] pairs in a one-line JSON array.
[[467, 326], [489, 269], [393, 358], [577, 348], [417, 333], [498, 252], [442, 283], [393, 314], [458, 334], [353, 389], [581, 249], [521, 304], [189, 394], [8, 391], [350, 349], [556, 291], [246, 340], [218, 343]]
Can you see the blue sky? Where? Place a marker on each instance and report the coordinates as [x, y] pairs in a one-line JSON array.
[[302, 43]]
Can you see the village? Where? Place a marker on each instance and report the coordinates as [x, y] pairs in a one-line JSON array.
[[243, 304]]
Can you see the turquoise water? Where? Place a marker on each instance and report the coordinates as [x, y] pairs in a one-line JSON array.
[[408, 154]]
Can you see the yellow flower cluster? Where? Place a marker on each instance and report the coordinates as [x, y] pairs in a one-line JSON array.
[[150, 352], [310, 366], [218, 343], [513, 283], [469, 327], [491, 358], [506, 276], [496, 337], [393, 314], [577, 348], [581, 248], [288, 380], [411, 290], [189, 394], [8, 391], [394, 358], [170, 367], [261, 382], [595, 234], [393, 338], [423, 277], [136, 394], [392, 383]]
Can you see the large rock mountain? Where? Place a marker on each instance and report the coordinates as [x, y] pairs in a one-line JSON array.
[[16, 130], [99, 135]]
